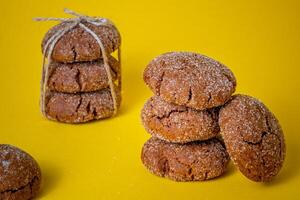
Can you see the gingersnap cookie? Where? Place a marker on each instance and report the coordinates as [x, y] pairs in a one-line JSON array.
[[179, 124], [81, 107], [81, 76], [253, 137], [190, 79], [194, 161], [78, 45], [20, 175]]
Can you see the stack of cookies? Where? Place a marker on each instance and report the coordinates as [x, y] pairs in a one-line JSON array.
[[77, 82], [192, 105]]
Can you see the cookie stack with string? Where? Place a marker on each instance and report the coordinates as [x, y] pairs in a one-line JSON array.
[[193, 116], [81, 80]]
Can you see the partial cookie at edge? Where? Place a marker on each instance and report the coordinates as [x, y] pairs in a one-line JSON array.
[[20, 174]]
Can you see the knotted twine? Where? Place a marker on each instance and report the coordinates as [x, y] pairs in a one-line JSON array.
[[71, 23]]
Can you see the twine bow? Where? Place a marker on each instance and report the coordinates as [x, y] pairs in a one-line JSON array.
[[71, 23]]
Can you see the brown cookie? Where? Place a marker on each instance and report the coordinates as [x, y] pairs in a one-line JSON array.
[[81, 76], [190, 79], [81, 107], [195, 161], [179, 124], [253, 137], [20, 175], [78, 45]]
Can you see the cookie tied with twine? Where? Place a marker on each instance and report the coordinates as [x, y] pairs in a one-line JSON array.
[[98, 37]]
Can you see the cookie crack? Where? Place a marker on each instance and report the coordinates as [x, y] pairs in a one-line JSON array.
[[79, 104], [53, 84], [209, 98], [74, 53], [94, 113], [158, 88], [190, 95], [269, 128], [268, 125], [169, 114], [263, 133], [258, 142], [88, 107], [205, 175], [77, 78], [30, 184]]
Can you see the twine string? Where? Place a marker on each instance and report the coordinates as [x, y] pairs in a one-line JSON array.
[[51, 42], [106, 65], [48, 54]]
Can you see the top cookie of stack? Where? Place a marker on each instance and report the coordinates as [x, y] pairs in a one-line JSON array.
[[77, 82], [78, 45], [190, 80]]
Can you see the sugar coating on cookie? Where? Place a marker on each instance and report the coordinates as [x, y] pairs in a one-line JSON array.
[[253, 137], [20, 175], [190, 79], [194, 161], [81, 107], [78, 45], [179, 124], [81, 76]]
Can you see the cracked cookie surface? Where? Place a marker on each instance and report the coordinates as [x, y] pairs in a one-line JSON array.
[[81, 107], [20, 175], [178, 124], [77, 45], [80, 76], [194, 161], [190, 79], [253, 137]]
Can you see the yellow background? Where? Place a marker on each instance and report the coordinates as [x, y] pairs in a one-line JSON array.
[[258, 40]]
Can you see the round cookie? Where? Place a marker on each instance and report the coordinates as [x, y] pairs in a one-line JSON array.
[[81, 107], [194, 161], [179, 124], [80, 76], [253, 137], [78, 45], [190, 79], [20, 175]]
